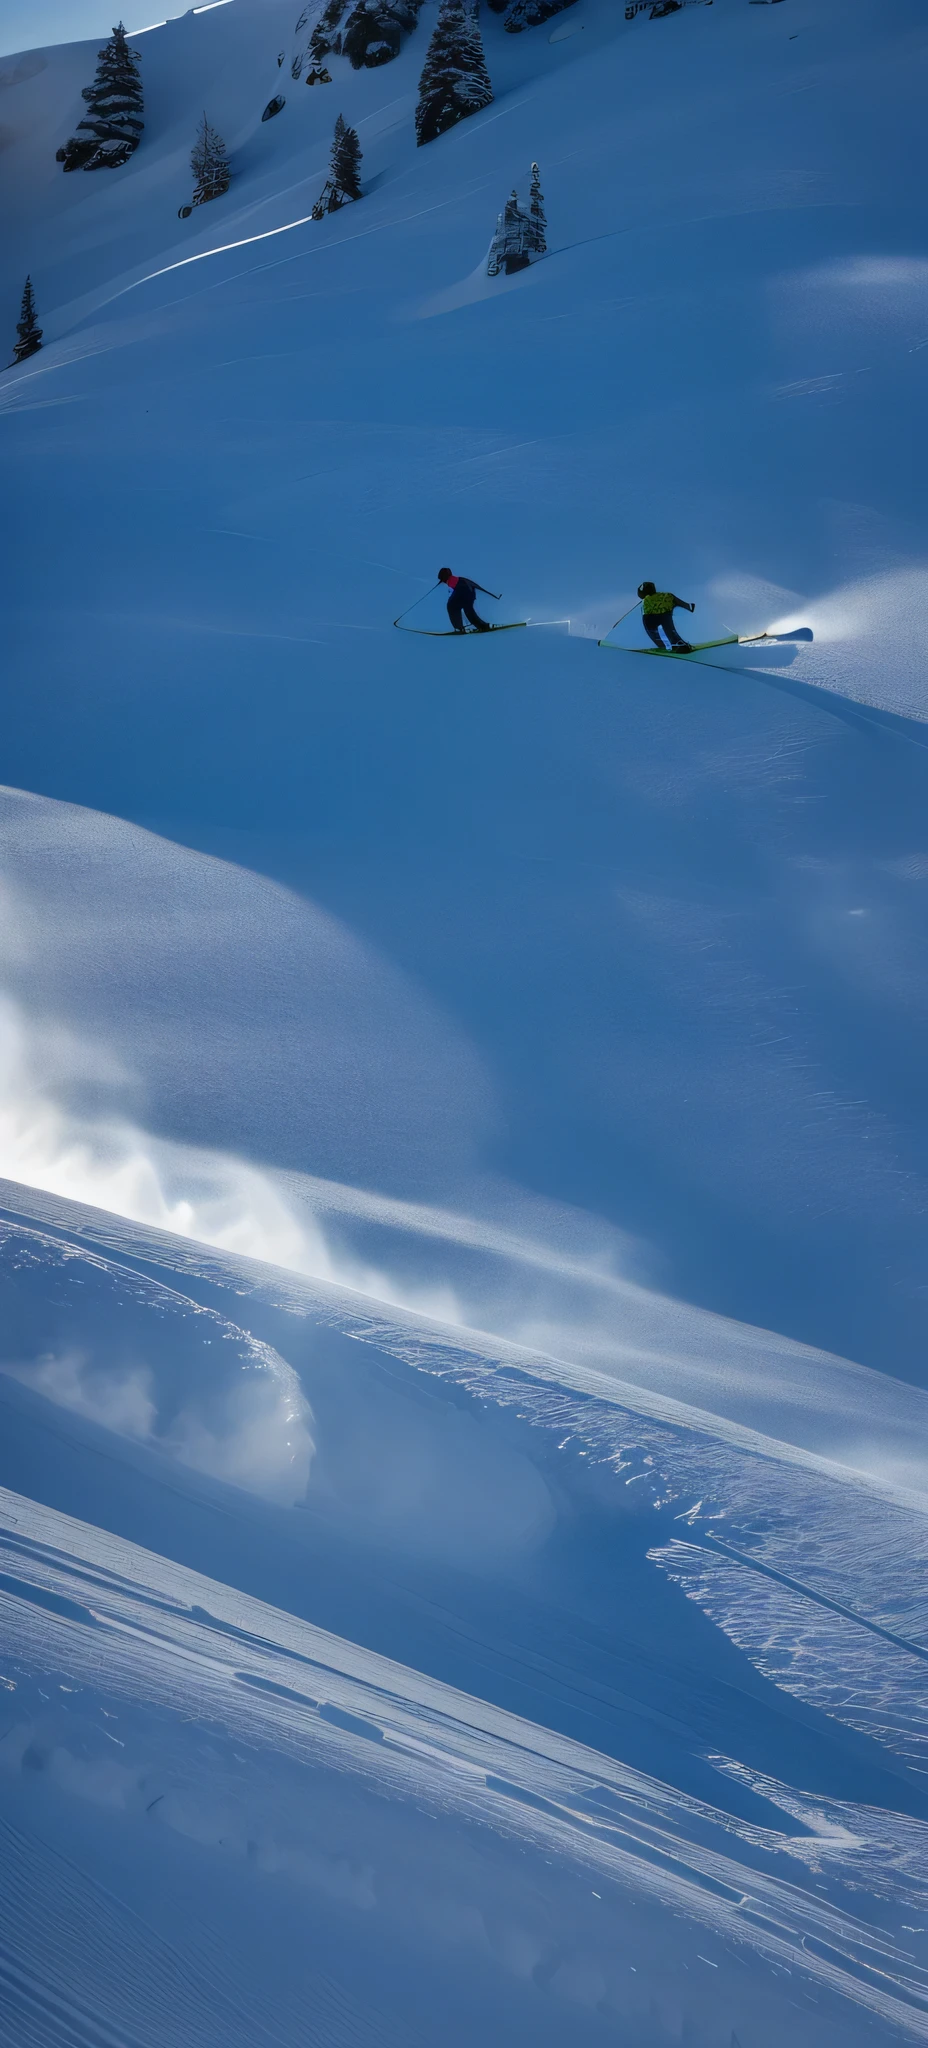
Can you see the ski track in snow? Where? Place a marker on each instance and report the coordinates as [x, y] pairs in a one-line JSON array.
[[141, 1688]]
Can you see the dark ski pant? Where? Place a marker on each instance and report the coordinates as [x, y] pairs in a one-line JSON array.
[[462, 600], [651, 622]]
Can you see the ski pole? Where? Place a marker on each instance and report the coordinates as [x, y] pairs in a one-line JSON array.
[[618, 622], [418, 600]]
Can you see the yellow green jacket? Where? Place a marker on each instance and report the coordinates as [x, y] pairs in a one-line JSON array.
[[659, 601]]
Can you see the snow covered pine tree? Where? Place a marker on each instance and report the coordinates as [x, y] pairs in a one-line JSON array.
[[344, 180], [455, 81], [520, 237], [375, 29], [209, 164], [27, 327], [114, 111]]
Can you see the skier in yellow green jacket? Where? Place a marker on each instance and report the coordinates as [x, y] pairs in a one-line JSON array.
[[657, 611]]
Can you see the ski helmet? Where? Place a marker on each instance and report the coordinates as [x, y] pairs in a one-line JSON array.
[[647, 589], [443, 575]]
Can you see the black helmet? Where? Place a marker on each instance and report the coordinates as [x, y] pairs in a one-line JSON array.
[[647, 589], [443, 575]]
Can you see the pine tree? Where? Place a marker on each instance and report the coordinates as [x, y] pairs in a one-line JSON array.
[[27, 327], [346, 160], [113, 122], [455, 81], [537, 241], [519, 236], [375, 29], [209, 164], [344, 180]]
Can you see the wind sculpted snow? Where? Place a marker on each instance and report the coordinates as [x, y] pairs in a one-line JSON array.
[[462, 1112], [363, 1797]]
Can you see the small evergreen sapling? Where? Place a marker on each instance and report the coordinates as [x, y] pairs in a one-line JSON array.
[[209, 164], [344, 180], [455, 81], [113, 123], [27, 327]]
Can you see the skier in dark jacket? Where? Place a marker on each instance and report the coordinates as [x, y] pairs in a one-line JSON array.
[[463, 592], [657, 611]]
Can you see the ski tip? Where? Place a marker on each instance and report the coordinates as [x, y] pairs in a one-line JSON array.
[[797, 633]]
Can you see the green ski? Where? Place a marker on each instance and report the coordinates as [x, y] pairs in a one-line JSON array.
[[681, 653]]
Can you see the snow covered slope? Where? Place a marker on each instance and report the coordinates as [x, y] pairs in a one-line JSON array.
[[611, 1799], [462, 1257], [337, 1806]]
